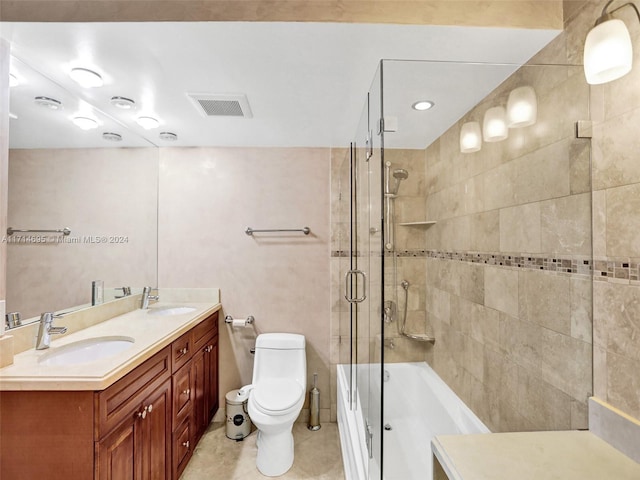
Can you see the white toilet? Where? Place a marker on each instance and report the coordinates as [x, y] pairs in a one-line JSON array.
[[276, 397]]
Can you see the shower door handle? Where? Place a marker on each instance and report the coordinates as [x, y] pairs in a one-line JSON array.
[[348, 292]]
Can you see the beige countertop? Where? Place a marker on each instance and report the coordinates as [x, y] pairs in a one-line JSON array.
[[151, 333], [566, 455]]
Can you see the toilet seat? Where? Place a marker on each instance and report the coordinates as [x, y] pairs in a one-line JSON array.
[[277, 396]]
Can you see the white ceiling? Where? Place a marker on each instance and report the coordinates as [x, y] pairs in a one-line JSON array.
[[306, 82]]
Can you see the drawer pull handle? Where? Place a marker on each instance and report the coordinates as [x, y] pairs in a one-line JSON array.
[[183, 351], [186, 392], [186, 444]]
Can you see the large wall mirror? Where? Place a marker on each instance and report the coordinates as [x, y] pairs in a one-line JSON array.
[[91, 179]]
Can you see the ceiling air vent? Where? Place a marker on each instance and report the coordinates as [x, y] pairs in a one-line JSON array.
[[221, 105]]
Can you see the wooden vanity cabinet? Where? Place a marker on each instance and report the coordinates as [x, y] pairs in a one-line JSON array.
[[142, 427]]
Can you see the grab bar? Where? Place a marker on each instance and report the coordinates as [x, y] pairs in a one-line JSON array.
[[250, 231], [11, 231]]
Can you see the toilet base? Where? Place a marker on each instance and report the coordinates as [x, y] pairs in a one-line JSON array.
[[275, 453]]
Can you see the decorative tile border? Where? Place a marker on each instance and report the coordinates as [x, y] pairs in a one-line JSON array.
[[625, 270], [570, 265]]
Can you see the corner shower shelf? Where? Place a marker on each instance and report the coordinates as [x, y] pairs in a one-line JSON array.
[[416, 224]]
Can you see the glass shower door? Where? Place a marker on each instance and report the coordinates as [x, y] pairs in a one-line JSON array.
[[364, 282]]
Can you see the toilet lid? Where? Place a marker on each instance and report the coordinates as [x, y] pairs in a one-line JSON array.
[[277, 394]]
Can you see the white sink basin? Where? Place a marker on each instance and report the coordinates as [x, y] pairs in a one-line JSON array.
[[171, 310], [86, 351]]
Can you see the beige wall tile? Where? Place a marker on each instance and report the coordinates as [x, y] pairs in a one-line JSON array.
[[543, 405], [520, 229], [599, 222], [543, 173], [501, 289], [623, 383], [485, 231], [623, 221], [565, 225], [545, 299], [582, 309], [580, 166]]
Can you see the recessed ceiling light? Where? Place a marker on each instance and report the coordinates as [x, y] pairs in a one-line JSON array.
[[123, 103], [13, 80], [148, 122], [85, 123], [168, 136], [86, 78], [47, 102], [112, 137], [13, 116], [423, 105]]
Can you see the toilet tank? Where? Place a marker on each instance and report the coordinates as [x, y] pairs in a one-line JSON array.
[[280, 355]]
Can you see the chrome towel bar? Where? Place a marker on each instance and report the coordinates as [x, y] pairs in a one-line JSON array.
[[64, 231], [251, 231]]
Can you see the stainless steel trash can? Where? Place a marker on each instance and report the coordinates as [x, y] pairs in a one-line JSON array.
[[238, 421]]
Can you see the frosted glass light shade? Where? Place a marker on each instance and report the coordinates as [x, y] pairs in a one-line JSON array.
[[522, 107], [494, 126], [608, 54], [470, 137]]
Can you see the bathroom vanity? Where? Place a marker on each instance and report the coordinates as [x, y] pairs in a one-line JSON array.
[[139, 416]]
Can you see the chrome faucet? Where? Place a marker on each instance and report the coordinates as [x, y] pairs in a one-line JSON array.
[[144, 303], [47, 329]]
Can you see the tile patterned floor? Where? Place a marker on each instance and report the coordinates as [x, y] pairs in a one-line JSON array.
[[317, 456]]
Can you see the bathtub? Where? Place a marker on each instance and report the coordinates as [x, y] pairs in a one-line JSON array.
[[417, 406]]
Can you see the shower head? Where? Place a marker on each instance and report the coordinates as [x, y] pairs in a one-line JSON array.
[[398, 175]]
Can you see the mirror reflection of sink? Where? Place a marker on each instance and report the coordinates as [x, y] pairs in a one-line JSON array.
[[86, 351], [171, 310]]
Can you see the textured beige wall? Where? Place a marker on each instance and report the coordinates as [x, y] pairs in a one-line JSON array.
[[208, 197], [616, 225], [513, 13], [110, 192]]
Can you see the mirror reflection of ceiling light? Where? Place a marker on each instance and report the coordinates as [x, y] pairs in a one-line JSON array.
[[494, 126], [522, 107], [13, 116], [608, 54], [470, 137], [123, 103], [112, 137], [13, 80], [85, 123], [148, 123], [48, 102], [86, 78], [422, 105], [168, 136]]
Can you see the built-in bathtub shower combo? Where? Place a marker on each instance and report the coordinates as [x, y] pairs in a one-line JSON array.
[[438, 206]]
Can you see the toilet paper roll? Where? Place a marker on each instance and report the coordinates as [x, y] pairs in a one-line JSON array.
[[239, 323]]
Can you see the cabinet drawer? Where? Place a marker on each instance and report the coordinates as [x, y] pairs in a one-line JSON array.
[[183, 394], [182, 448], [124, 397], [181, 351], [204, 331]]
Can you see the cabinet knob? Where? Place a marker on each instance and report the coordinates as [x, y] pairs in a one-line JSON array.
[[143, 413], [186, 392], [208, 348], [183, 351], [150, 407], [186, 444]]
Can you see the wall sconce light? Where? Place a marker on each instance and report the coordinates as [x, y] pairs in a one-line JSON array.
[[522, 107], [470, 137], [494, 126], [608, 54]]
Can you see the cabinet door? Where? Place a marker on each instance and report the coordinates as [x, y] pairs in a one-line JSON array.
[[116, 454], [211, 387], [199, 385], [156, 444]]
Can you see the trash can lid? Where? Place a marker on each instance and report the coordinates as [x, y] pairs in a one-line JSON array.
[[232, 398]]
